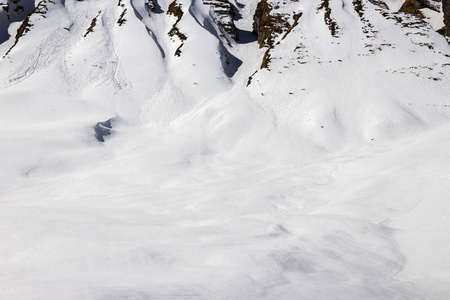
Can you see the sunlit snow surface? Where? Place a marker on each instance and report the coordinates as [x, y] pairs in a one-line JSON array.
[[328, 179]]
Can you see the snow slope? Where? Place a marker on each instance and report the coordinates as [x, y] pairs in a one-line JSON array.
[[325, 177]]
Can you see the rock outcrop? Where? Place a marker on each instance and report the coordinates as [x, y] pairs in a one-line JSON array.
[[413, 7], [151, 5], [176, 11], [39, 10], [266, 24], [12, 11], [223, 14], [331, 23], [446, 10]]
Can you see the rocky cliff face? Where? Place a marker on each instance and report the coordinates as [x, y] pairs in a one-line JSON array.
[[416, 7], [12, 11], [271, 25], [446, 10], [413, 7], [38, 12], [274, 21], [223, 13]]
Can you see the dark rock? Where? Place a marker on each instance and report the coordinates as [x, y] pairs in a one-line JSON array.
[[102, 129], [122, 19], [266, 25], [175, 10], [92, 25], [446, 10], [331, 23], [151, 5], [40, 9], [224, 15], [413, 7]]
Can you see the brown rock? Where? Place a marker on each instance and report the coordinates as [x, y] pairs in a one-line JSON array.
[[413, 7], [446, 9], [266, 26]]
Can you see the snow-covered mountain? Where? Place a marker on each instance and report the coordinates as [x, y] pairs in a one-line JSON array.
[[216, 149]]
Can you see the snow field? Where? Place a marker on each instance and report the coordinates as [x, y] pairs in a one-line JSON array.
[[326, 179]]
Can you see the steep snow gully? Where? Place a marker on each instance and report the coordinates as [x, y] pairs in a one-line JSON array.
[[308, 160]]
